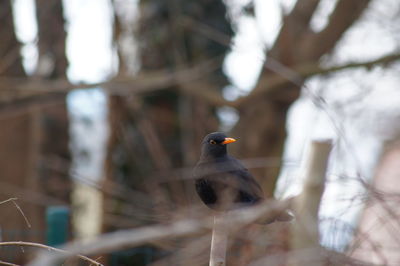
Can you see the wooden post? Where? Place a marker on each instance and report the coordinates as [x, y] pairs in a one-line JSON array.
[[305, 233], [219, 241]]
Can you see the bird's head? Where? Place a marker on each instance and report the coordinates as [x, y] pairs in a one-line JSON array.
[[214, 145]]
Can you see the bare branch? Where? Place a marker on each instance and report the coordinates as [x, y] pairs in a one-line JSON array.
[[8, 263], [145, 82], [8, 200], [18, 208], [269, 84], [272, 84], [22, 213]]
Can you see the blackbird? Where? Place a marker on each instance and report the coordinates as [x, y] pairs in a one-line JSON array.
[[222, 182]]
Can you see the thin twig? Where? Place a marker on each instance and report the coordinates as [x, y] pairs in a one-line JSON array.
[[19, 209], [22, 213], [31, 244], [10, 199]]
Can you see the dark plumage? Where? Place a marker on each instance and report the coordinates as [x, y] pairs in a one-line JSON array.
[[222, 182], [219, 174]]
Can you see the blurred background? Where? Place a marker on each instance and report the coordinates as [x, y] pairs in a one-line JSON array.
[[104, 103]]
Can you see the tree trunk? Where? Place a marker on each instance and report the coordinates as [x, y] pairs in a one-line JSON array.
[[177, 120], [35, 167], [11, 64], [52, 58]]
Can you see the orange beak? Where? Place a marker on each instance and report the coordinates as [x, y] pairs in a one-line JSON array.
[[228, 140]]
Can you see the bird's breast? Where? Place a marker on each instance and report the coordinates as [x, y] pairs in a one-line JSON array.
[[206, 191]]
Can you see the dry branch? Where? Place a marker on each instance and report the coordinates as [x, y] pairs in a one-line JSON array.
[[8, 200], [18, 208], [270, 84], [190, 81], [37, 245], [8, 263]]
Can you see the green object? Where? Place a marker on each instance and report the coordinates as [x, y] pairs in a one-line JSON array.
[[57, 219]]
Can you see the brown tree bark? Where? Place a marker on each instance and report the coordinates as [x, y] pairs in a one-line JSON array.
[[11, 64], [34, 134], [52, 58], [178, 120], [54, 150]]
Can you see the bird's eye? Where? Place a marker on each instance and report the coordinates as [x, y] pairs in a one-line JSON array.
[[213, 141]]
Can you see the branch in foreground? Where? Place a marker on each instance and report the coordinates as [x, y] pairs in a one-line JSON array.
[[310, 256], [134, 237], [37, 245], [8, 263]]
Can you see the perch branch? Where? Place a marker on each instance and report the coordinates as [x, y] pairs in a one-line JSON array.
[[219, 242], [305, 233]]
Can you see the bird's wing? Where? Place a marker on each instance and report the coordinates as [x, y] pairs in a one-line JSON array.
[[246, 182]]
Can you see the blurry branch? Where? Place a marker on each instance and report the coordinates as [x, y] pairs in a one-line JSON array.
[[205, 30], [123, 239], [191, 78], [195, 252], [7, 263], [129, 238], [311, 256], [146, 82], [156, 150], [271, 84], [154, 146], [305, 232], [37, 245], [27, 195], [9, 59]]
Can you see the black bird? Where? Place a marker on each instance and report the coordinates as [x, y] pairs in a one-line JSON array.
[[222, 182]]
